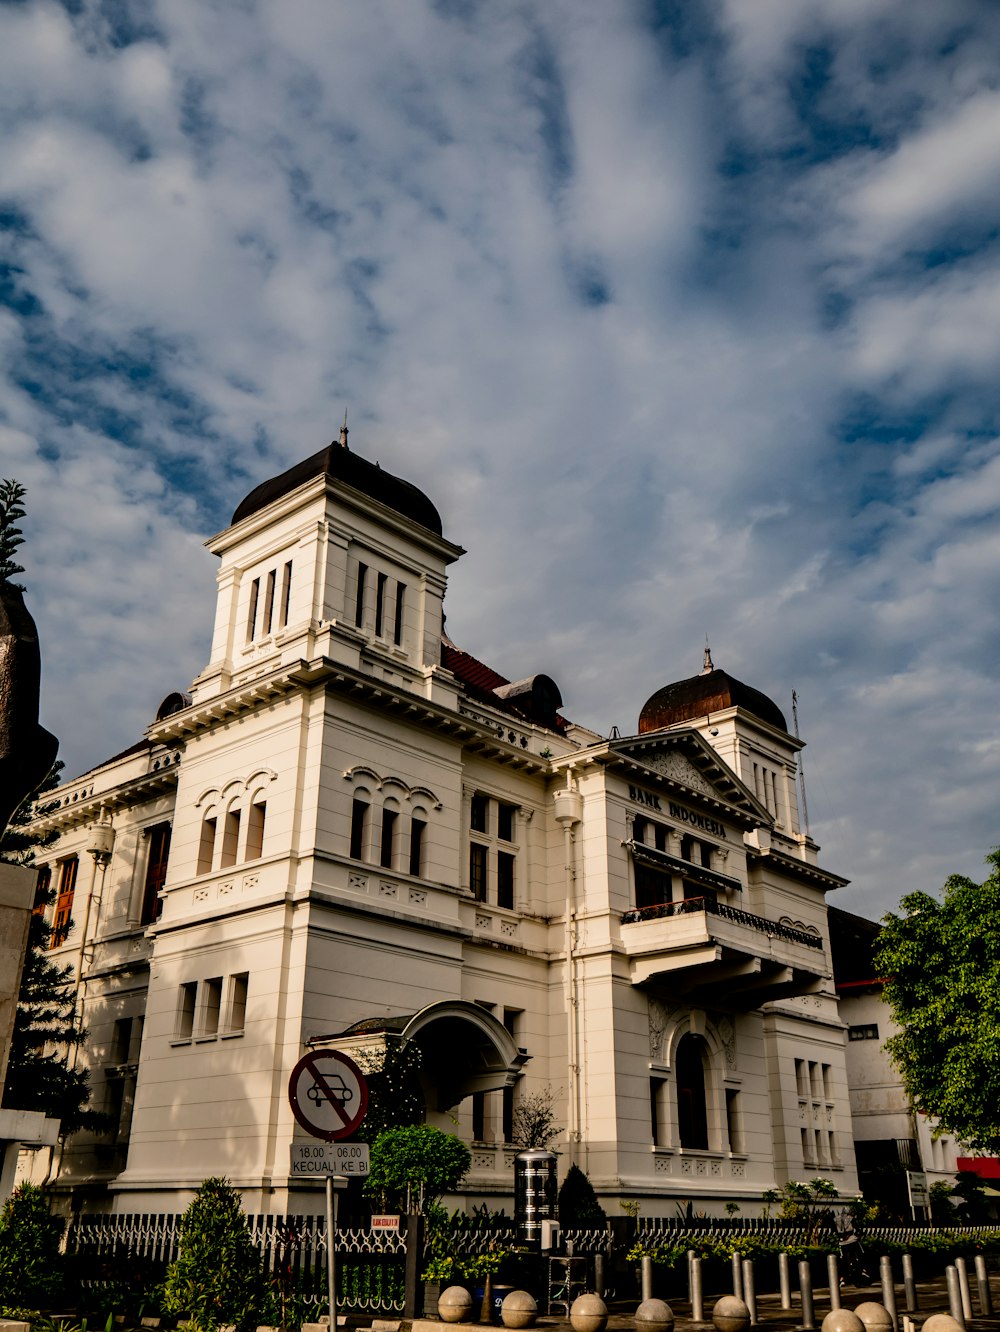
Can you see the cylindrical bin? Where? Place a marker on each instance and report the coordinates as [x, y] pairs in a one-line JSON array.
[[534, 1193]]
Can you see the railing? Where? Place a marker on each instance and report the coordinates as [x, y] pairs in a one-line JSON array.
[[370, 1264], [776, 929]]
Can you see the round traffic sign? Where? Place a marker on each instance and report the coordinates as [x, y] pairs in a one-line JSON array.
[[328, 1094]]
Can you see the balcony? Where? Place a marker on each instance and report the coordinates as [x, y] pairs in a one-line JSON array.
[[711, 952]]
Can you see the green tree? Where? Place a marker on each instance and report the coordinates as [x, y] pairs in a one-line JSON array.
[[413, 1165], [578, 1205], [30, 1262], [217, 1277], [533, 1123], [12, 495], [941, 963], [395, 1096]]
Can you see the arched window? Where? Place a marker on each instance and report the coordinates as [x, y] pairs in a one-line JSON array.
[[692, 1105]]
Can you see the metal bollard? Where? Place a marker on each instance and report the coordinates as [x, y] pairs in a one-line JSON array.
[[691, 1255], [737, 1262], [599, 1274], [697, 1299], [750, 1290], [888, 1289], [909, 1285], [646, 1269], [806, 1291], [983, 1287], [954, 1295], [784, 1281], [963, 1288], [833, 1277]]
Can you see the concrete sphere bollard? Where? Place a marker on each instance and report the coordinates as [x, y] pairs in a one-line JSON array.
[[654, 1316], [842, 1320], [588, 1313], [518, 1309], [876, 1317], [730, 1315], [942, 1323], [454, 1305]]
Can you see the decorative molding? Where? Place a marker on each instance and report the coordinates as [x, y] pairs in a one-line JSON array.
[[483, 922], [679, 770]]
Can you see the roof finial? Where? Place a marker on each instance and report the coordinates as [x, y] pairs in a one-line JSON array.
[[343, 431], [707, 667]]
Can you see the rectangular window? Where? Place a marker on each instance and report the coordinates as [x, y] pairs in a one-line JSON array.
[[359, 604], [62, 919], [43, 886], [187, 996], [286, 593], [825, 1071], [206, 846], [389, 817], [478, 1116], [505, 822], [505, 880], [236, 1015], [867, 1031], [255, 830], [800, 1077], [806, 1147], [252, 612], [121, 1040], [158, 849], [230, 839], [380, 583], [477, 871], [417, 827], [658, 1124], [268, 617], [814, 1086], [359, 824], [733, 1124], [480, 821], [397, 629], [211, 1007]]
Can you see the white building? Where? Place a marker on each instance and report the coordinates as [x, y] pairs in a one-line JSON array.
[[349, 826]]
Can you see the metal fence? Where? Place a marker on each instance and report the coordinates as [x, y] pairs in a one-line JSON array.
[[371, 1265]]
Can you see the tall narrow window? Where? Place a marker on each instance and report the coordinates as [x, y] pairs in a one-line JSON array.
[[121, 1040], [186, 997], [252, 612], [389, 817], [211, 1007], [206, 846], [658, 1122], [477, 871], [230, 838], [397, 628], [359, 604], [380, 583], [692, 1108], [359, 824], [417, 827], [61, 921], [43, 886], [236, 1017], [255, 830], [800, 1077], [733, 1124], [505, 822], [480, 820], [268, 617], [158, 840], [286, 594], [505, 880]]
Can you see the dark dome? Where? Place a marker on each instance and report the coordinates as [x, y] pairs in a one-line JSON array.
[[711, 691], [338, 463]]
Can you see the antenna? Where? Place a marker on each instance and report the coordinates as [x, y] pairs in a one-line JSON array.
[[802, 771]]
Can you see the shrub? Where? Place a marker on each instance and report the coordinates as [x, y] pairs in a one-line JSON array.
[[415, 1164], [578, 1205], [217, 1277], [30, 1262]]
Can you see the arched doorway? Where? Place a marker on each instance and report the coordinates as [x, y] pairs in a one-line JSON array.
[[692, 1101]]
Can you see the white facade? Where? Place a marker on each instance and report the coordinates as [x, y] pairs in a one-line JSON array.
[[366, 826]]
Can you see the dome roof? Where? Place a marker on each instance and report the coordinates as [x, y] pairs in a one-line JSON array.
[[338, 463], [711, 691]]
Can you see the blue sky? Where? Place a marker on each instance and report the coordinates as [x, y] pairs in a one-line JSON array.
[[686, 315]]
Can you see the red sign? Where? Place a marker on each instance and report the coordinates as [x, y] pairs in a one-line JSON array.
[[328, 1094]]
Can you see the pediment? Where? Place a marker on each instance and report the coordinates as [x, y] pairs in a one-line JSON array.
[[687, 762]]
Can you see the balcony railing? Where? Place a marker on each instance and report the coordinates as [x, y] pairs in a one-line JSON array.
[[708, 904]]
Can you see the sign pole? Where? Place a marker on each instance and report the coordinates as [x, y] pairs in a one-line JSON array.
[[331, 1245]]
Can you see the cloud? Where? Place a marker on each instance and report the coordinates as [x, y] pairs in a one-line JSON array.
[[682, 315]]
